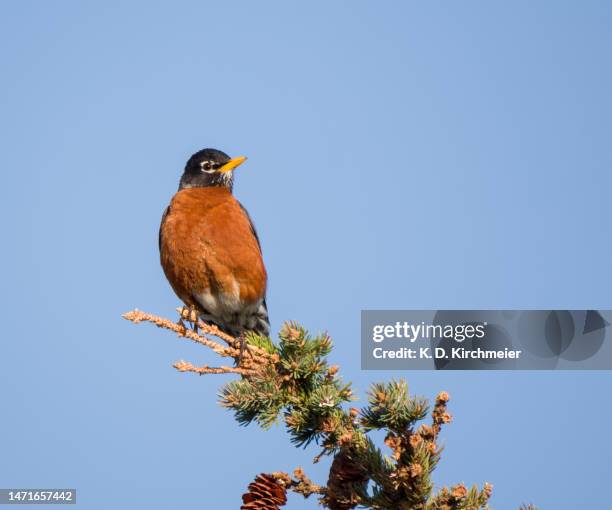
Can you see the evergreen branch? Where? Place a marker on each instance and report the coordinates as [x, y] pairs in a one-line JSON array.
[[299, 483], [137, 316], [392, 408], [293, 380], [253, 360], [185, 366]]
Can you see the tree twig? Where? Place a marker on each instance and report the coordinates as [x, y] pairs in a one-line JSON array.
[[253, 361]]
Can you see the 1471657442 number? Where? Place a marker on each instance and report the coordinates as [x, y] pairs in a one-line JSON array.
[[41, 496]]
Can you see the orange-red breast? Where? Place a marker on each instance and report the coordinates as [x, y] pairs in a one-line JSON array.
[[209, 248]]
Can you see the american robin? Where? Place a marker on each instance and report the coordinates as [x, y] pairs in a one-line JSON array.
[[210, 251]]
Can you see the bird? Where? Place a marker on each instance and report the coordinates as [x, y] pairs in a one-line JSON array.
[[210, 251]]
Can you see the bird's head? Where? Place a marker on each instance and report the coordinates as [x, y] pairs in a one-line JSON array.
[[210, 167]]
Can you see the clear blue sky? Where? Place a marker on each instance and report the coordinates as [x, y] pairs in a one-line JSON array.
[[401, 155]]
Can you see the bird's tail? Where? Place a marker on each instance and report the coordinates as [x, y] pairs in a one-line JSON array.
[[257, 321], [262, 321]]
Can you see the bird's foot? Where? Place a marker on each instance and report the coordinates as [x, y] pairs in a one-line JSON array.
[[182, 313], [189, 314], [244, 347], [194, 318]]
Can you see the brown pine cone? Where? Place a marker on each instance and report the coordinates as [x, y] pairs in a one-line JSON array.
[[344, 472], [265, 493]]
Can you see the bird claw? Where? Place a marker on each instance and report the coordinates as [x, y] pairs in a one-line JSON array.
[[189, 314], [185, 314], [193, 316], [244, 347]]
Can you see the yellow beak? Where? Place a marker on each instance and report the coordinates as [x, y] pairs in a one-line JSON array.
[[231, 164]]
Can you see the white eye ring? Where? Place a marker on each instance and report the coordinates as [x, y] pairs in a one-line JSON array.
[[211, 168]]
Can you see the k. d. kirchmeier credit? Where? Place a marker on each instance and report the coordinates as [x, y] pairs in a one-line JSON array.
[[485, 339]]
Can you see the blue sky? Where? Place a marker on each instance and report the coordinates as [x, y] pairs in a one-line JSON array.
[[401, 155]]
